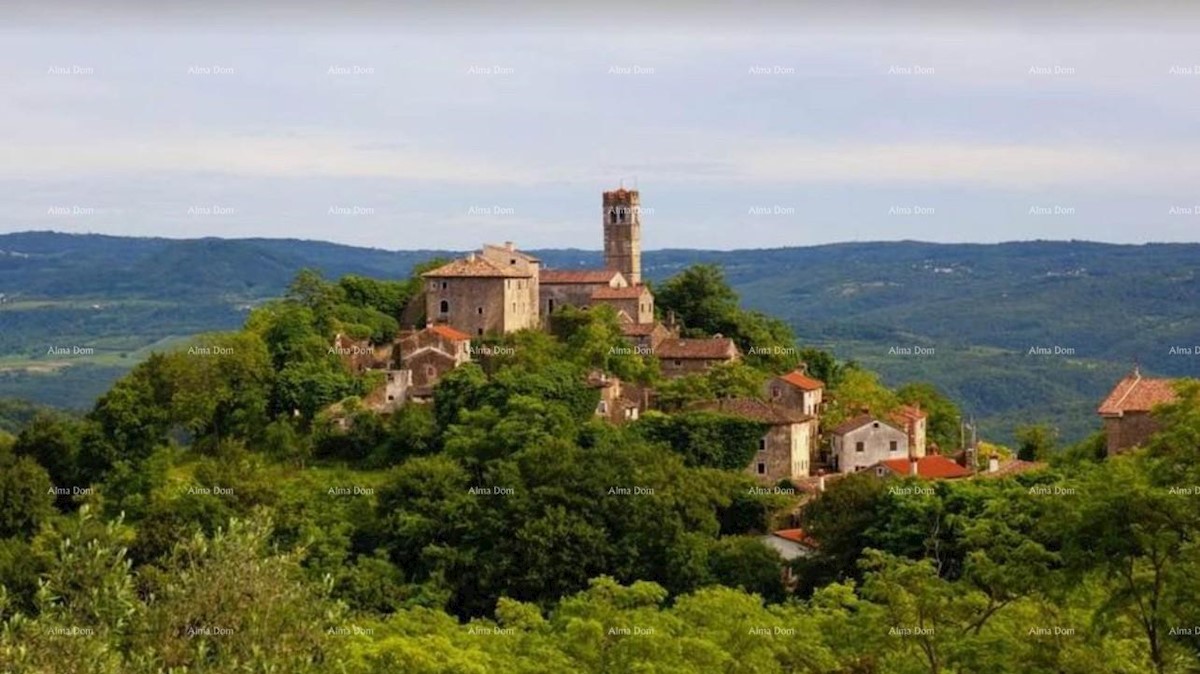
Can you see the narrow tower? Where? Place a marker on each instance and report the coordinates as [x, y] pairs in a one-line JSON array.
[[623, 234]]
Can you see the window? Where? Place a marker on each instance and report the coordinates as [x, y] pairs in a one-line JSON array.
[[430, 372], [892, 446], [603, 408], [880, 471], [775, 392], [762, 468], [479, 310], [762, 444], [612, 216], [479, 332], [445, 285], [514, 308], [858, 447], [677, 363], [444, 307], [550, 306]]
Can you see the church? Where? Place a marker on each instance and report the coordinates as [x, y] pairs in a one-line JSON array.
[[499, 289]]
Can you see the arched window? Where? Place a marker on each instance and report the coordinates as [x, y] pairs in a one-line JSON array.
[[444, 307], [612, 216]]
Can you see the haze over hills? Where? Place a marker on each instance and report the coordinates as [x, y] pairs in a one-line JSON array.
[[962, 316]]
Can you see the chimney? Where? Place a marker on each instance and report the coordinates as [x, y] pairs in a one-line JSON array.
[[802, 368], [993, 464], [509, 245], [912, 467], [471, 256]]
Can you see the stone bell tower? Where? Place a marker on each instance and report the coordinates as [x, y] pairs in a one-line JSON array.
[[623, 234]]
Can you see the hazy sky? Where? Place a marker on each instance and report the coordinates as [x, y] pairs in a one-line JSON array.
[[750, 130]]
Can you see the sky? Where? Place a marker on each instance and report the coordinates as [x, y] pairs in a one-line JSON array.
[[761, 126]]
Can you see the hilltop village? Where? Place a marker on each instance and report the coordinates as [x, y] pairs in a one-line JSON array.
[[499, 289]]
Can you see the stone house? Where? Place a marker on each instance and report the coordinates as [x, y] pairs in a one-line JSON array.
[[491, 291], [619, 403], [561, 288], [913, 420], [791, 544], [864, 441], [681, 357], [431, 353], [1126, 411], [633, 304], [785, 451], [645, 337], [797, 390], [360, 355]]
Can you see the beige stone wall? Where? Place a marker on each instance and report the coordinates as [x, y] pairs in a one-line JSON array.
[[623, 234], [429, 366], [476, 305], [917, 441], [787, 454], [520, 304], [566, 294], [783, 393], [876, 439], [673, 369], [1130, 430]]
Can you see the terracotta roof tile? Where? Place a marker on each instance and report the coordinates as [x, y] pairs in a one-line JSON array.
[[638, 329], [1014, 467], [449, 333], [803, 382], [928, 468], [629, 293], [753, 409], [476, 266], [581, 276], [1136, 393], [796, 536], [911, 412], [714, 348]]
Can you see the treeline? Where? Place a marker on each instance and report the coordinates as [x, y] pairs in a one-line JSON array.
[[233, 508]]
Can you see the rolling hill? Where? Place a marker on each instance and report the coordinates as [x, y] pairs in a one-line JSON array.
[[1086, 310]]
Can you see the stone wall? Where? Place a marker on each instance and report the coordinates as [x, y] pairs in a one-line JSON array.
[[1128, 431], [876, 438]]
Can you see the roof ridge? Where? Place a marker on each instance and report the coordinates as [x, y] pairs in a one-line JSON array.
[[1137, 380]]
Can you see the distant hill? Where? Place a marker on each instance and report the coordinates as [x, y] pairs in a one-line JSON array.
[[980, 308]]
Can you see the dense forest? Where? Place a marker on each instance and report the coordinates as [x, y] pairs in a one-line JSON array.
[[231, 505], [979, 308]]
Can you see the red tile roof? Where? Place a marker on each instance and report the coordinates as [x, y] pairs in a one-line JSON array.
[[450, 333], [638, 329], [803, 382], [1136, 393], [507, 251], [581, 276], [476, 266], [753, 409], [909, 412], [1014, 467], [629, 293], [928, 468], [796, 536], [713, 348]]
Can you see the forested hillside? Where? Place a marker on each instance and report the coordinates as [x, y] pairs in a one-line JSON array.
[[980, 308], [232, 505]]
